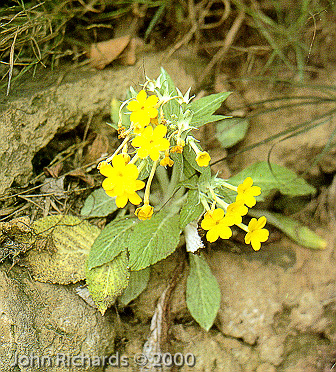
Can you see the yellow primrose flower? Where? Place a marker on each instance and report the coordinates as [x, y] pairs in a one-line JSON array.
[[143, 109], [121, 181], [235, 211], [256, 234], [215, 222], [167, 161], [203, 159], [151, 142], [247, 192], [145, 212]]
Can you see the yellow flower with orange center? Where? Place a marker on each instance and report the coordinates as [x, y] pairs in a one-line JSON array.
[[235, 211], [217, 224], [247, 192], [151, 142], [143, 109], [121, 181], [256, 234]]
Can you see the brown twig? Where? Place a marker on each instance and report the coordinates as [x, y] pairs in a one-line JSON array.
[[227, 44], [158, 340]]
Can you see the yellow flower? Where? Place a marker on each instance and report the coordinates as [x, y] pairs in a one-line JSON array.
[[145, 212], [179, 146], [151, 142], [143, 109], [215, 222], [247, 192], [167, 161], [121, 181], [203, 159], [235, 211], [126, 157], [256, 234]]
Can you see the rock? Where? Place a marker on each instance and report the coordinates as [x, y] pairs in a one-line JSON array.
[[31, 118], [39, 319], [263, 303]]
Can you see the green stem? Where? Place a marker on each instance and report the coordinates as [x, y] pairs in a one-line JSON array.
[[229, 186], [162, 176], [243, 227], [149, 182]]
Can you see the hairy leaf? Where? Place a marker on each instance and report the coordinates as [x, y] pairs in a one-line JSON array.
[[107, 282], [231, 131], [111, 241], [204, 107], [153, 240], [203, 293], [61, 260], [137, 283], [191, 210], [271, 178], [294, 229], [98, 204]]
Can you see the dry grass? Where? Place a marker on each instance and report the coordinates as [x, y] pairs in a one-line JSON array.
[[258, 33]]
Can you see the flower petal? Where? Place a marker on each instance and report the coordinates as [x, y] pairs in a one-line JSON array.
[[141, 97], [212, 235], [121, 200], [134, 198], [261, 222], [218, 214], [225, 232], [134, 106], [118, 162], [105, 169], [160, 131], [151, 101]]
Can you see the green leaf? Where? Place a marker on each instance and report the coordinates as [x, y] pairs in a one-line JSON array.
[[98, 204], [168, 89], [137, 283], [204, 107], [178, 164], [231, 131], [111, 241], [198, 122], [61, 250], [189, 155], [191, 210], [146, 165], [203, 293], [106, 282], [293, 228], [125, 118], [276, 177], [188, 170], [153, 240], [191, 182]]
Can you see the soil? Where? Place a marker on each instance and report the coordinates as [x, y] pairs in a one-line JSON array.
[[278, 305]]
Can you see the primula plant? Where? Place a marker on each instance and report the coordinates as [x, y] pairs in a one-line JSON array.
[[160, 180]]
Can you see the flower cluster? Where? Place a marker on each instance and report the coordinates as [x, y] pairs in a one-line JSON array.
[[152, 137], [155, 125], [219, 220]]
